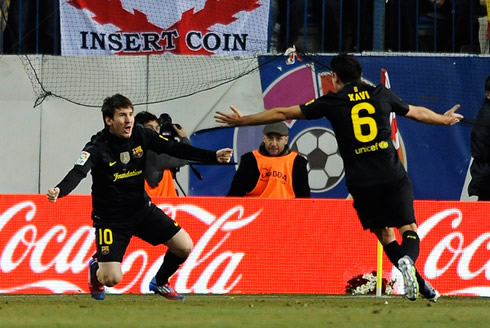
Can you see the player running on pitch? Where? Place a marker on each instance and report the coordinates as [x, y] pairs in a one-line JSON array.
[[116, 157], [376, 179]]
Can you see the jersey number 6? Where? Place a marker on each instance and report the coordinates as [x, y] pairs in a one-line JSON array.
[[358, 122]]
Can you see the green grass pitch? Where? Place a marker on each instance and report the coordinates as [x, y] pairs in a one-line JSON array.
[[242, 311]]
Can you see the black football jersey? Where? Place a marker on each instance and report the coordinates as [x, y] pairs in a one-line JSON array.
[[360, 117], [480, 134], [117, 166]]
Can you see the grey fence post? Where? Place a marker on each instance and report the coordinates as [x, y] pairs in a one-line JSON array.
[[379, 25]]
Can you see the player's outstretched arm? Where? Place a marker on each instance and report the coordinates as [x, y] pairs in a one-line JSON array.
[[53, 194], [426, 115], [273, 115]]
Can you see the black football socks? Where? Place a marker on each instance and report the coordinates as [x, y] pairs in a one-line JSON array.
[[171, 264]]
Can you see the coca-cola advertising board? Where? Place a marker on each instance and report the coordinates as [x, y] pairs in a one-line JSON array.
[[241, 245]]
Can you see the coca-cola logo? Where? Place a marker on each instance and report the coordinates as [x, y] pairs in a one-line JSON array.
[[28, 246], [239, 246], [456, 253]]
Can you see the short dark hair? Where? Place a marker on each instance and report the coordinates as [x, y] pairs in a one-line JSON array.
[[487, 84], [145, 117], [114, 102], [347, 67]]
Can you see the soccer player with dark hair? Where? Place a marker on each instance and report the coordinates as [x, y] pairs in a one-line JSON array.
[[359, 114], [121, 209]]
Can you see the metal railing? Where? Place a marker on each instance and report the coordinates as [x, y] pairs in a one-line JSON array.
[[377, 25], [30, 27]]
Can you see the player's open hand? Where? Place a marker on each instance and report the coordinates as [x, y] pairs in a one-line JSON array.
[[229, 119], [224, 155], [452, 116], [53, 194]]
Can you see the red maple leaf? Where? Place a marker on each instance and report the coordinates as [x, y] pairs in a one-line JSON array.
[[112, 12]]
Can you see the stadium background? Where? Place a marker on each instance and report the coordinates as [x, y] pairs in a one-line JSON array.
[[39, 144]]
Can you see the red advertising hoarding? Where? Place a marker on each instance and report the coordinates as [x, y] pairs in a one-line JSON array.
[[241, 245]]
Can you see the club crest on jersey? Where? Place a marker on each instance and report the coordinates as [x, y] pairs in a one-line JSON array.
[[137, 152], [124, 157], [83, 158], [104, 250]]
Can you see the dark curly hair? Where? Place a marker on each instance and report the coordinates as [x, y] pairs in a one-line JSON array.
[[347, 67], [145, 117]]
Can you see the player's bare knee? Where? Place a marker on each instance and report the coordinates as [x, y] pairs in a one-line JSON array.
[[181, 244], [184, 249], [187, 249], [109, 278]]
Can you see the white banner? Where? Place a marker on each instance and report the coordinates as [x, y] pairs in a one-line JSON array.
[[143, 27]]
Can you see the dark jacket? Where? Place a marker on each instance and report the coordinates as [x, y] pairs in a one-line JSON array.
[[480, 150]]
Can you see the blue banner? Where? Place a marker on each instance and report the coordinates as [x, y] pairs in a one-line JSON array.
[[436, 157]]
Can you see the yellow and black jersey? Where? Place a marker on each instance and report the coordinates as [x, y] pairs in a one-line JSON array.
[[360, 117]]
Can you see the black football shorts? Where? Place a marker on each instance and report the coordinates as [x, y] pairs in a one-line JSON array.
[[385, 205], [155, 228]]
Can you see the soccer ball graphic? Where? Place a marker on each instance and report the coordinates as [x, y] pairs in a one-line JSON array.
[[325, 166]]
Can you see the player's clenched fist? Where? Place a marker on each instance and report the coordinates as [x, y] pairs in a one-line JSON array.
[[224, 155], [53, 194]]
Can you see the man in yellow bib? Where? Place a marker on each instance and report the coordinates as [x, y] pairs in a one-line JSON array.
[[273, 170]]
